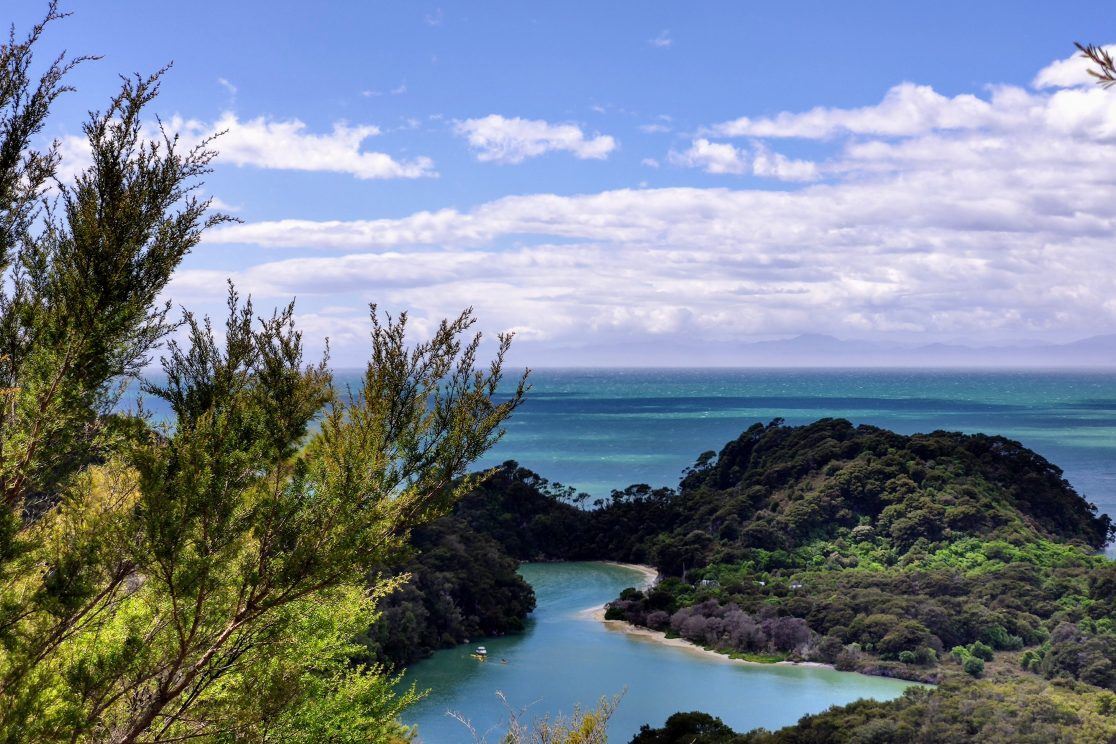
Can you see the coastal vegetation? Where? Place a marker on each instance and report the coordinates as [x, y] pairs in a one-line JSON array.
[[1023, 710], [849, 545], [461, 585], [964, 560], [257, 568], [205, 579]]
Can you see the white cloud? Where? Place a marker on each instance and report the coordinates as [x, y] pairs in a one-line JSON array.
[[650, 162], [720, 157], [662, 41], [776, 165], [227, 86], [907, 109], [654, 128], [1071, 72], [218, 204], [502, 140], [287, 145], [712, 157], [927, 225], [273, 144]]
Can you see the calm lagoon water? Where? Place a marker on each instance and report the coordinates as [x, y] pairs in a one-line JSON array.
[[566, 657]]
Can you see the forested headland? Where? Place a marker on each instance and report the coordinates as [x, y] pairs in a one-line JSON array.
[[965, 560]]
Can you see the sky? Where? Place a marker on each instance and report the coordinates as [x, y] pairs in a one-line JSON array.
[[647, 177]]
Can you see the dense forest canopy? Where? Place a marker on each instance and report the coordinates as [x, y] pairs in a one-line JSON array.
[[966, 560]]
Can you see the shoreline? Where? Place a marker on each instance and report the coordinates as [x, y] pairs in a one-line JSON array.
[[650, 576], [658, 636], [650, 573]]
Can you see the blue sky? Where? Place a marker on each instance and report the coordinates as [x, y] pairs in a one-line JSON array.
[[645, 176]]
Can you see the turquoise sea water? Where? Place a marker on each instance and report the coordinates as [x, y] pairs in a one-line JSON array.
[[567, 657], [599, 429], [604, 429]]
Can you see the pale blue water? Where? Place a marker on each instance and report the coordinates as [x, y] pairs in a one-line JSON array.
[[567, 657]]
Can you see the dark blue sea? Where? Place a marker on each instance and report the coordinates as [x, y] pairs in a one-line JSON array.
[[600, 429]]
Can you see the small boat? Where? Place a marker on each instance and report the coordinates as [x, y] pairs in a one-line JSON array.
[[480, 653]]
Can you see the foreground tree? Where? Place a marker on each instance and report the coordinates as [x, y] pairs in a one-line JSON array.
[[203, 579], [1103, 69]]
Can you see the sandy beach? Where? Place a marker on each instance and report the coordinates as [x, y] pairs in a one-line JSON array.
[[650, 575], [656, 636]]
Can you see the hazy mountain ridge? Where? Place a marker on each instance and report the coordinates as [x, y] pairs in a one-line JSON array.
[[820, 350]]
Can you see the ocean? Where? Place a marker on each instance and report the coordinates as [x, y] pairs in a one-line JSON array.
[[600, 429], [604, 429]]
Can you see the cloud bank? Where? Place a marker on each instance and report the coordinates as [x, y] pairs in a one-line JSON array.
[[978, 216]]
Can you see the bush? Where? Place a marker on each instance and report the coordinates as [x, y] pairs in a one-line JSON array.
[[974, 666], [998, 637], [613, 611], [981, 651]]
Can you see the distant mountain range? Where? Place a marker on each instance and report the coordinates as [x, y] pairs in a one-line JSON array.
[[817, 350]]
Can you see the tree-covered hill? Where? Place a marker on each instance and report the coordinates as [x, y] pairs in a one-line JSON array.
[[961, 559], [1023, 711], [462, 586], [887, 499]]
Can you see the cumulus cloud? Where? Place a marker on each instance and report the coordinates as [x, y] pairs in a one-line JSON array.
[[776, 165], [287, 145], [907, 109], [277, 144], [662, 40], [1071, 72], [1001, 226], [720, 157], [219, 204], [500, 139], [712, 157]]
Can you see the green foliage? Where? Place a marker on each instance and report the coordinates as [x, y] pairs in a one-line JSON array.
[[462, 586], [973, 666], [687, 728], [579, 727], [1023, 711], [203, 580], [981, 651]]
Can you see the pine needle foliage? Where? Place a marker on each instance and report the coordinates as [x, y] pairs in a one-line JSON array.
[[205, 579]]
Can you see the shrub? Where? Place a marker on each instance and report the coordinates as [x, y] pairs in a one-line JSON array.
[[981, 650], [974, 666]]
